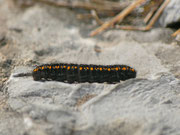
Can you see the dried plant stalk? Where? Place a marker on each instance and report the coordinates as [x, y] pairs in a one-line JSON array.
[[117, 18], [152, 21], [85, 5], [176, 33]]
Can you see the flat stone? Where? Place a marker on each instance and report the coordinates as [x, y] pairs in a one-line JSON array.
[[138, 104], [171, 14]]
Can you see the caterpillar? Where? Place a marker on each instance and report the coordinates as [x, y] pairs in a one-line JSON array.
[[72, 73]]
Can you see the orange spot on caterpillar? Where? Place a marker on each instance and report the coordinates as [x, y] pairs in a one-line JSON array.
[[49, 67], [123, 68], [68, 67], [117, 68], [80, 68], [91, 68], [109, 69], [100, 69]]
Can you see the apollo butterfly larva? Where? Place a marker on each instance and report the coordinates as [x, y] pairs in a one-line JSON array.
[[72, 73]]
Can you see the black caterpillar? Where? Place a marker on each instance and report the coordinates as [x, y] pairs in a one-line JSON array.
[[72, 73]]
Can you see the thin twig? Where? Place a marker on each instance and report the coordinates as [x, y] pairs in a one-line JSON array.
[[152, 21], [157, 14], [153, 7], [84, 5], [111, 3], [117, 18], [95, 16], [84, 16], [149, 15], [176, 33], [127, 27]]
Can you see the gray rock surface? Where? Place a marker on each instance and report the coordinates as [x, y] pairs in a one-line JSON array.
[[137, 106], [171, 14], [147, 105]]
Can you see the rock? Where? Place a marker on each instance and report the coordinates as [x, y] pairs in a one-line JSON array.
[[178, 38], [135, 106], [171, 15]]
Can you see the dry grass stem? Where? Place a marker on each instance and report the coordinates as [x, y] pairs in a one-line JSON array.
[[157, 14], [95, 16], [149, 15], [86, 5], [117, 18], [176, 33], [152, 21]]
